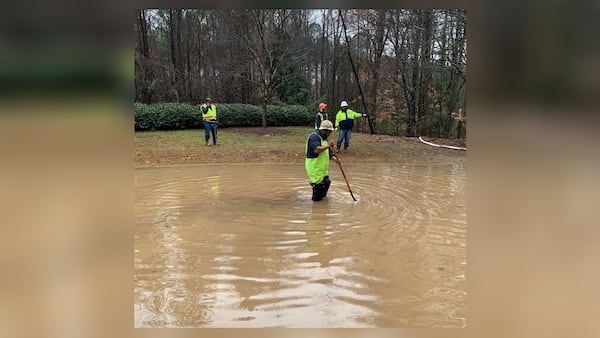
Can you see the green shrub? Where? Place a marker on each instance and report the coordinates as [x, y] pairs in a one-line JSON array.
[[238, 115], [292, 115], [144, 116], [165, 116]]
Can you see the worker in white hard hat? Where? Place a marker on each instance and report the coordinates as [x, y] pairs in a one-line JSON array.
[[344, 121]]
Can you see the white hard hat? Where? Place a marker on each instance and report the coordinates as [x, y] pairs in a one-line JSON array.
[[344, 104], [326, 124]]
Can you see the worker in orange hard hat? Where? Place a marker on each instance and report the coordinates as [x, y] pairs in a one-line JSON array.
[[321, 115]]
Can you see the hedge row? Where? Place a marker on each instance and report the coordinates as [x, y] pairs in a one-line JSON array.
[[165, 116]]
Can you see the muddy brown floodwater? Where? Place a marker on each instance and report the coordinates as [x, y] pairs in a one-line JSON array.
[[244, 246]]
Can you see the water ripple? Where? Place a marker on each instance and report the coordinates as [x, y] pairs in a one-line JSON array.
[[244, 246]]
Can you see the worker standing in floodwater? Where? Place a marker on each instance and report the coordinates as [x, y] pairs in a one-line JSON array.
[[318, 154]]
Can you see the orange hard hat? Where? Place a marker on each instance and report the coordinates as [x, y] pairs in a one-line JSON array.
[[322, 106]]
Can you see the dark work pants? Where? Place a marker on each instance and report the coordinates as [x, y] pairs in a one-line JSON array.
[[210, 127], [320, 190], [344, 135]]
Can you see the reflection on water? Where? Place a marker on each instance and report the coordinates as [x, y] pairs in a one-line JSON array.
[[244, 246]]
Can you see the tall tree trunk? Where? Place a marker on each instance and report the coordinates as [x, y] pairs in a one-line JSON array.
[[380, 41], [142, 32], [172, 42], [425, 66], [415, 80], [264, 112], [334, 62], [141, 57], [322, 54], [180, 86]]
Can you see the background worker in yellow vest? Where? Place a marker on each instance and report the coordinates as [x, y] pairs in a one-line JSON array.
[[209, 116], [318, 154], [321, 115], [344, 120]]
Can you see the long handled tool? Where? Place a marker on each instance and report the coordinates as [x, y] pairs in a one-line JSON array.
[[343, 173]]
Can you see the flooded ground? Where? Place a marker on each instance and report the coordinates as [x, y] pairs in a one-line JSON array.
[[244, 246]]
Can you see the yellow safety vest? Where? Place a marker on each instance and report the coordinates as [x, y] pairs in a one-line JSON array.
[[211, 113], [317, 168]]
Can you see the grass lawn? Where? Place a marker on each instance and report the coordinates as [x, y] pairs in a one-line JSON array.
[[272, 144]]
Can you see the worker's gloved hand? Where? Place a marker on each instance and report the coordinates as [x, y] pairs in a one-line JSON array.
[[364, 115], [336, 129]]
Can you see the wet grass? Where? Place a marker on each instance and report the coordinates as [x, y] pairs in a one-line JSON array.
[[273, 144], [290, 137]]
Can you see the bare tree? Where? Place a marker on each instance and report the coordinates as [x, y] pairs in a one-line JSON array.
[[271, 42]]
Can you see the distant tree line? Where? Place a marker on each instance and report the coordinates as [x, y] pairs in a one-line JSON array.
[[409, 65]]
